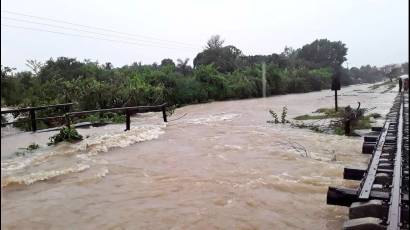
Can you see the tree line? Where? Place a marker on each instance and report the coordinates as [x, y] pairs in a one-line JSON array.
[[219, 72]]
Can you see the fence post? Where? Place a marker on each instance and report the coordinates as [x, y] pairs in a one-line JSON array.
[[164, 113], [127, 120], [67, 120], [347, 127], [33, 120]]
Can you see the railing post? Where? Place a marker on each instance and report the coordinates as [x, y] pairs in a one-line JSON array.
[[127, 120], [33, 120], [67, 120], [164, 113], [347, 127]]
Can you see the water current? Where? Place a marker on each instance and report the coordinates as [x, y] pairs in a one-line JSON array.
[[219, 166]]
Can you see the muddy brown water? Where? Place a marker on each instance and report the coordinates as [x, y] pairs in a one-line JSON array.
[[213, 166]]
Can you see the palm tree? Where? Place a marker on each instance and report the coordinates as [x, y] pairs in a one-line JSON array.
[[183, 66]]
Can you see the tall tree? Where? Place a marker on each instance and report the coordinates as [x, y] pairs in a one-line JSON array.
[[183, 66], [167, 61], [323, 53], [224, 58]]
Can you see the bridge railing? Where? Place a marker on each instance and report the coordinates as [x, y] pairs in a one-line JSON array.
[[127, 110], [68, 116], [32, 114]]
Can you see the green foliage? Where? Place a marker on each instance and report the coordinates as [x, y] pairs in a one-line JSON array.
[[362, 122], [274, 116], [322, 53], [33, 146], [339, 131], [68, 134], [283, 116]]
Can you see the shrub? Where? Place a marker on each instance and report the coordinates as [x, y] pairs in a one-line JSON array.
[[68, 134]]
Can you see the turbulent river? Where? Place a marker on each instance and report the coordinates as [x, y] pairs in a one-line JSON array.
[[218, 165]]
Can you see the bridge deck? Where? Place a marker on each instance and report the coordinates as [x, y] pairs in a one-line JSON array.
[[382, 199]]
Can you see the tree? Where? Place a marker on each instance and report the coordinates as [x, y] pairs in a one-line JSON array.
[[167, 61], [108, 66], [34, 65], [323, 53], [63, 67], [215, 42], [183, 66], [224, 58]]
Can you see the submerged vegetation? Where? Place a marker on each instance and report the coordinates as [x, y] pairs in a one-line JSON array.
[[33, 146], [67, 133], [276, 118], [337, 120]]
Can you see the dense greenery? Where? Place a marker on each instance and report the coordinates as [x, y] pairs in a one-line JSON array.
[[219, 73], [67, 133]]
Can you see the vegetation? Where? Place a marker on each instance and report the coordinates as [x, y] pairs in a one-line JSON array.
[[388, 84], [68, 134], [361, 121], [276, 118], [219, 72], [108, 117], [33, 146]]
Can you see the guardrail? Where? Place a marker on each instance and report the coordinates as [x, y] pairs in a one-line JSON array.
[[127, 110], [69, 115], [32, 114]]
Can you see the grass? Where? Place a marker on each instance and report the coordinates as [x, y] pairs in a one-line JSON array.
[[363, 122], [326, 113], [390, 84]]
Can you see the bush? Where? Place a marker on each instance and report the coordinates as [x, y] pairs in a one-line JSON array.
[[68, 134]]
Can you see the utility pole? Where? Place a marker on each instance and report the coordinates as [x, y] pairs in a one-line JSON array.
[[263, 79]]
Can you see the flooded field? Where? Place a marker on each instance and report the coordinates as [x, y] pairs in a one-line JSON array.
[[218, 165]]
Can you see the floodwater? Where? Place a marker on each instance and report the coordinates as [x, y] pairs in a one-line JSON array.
[[218, 165]]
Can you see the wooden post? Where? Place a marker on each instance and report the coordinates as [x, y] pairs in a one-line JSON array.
[[336, 100], [347, 127], [127, 120], [164, 113], [67, 120], [33, 120]]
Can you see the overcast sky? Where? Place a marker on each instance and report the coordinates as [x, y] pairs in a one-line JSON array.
[[375, 31]]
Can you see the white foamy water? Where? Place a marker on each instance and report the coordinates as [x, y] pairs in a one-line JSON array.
[[50, 162], [220, 166], [212, 118]]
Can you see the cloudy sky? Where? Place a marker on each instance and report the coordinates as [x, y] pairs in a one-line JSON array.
[[127, 31]]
